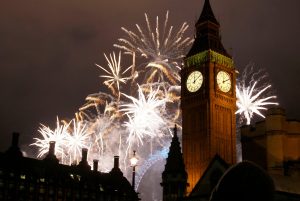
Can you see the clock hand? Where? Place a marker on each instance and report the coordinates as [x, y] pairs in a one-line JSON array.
[[226, 80], [198, 77]]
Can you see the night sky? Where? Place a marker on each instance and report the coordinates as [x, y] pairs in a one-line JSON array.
[[48, 49]]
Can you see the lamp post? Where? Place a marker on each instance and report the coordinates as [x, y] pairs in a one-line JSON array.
[[133, 163]]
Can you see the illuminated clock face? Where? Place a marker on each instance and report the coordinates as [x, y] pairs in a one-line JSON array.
[[224, 81], [194, 81]]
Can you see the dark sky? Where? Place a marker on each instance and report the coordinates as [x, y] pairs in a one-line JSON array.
[[48, 49]]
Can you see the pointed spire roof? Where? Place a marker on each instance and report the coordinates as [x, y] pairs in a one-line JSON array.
[[175, 164], [207, 14], [207, 33]]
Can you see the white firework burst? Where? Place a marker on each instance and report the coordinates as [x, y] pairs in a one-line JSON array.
[[58, 135], [144, 116], [251, 98], [163, 50], [114, 75], [76, 140]]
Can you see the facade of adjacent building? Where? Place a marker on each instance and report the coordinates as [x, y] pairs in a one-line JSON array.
[[274, 144], [28, 179], [277, 138]]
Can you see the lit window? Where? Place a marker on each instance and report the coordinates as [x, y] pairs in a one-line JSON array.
[[51, 191], [11, 185], [100, 187], [78, 177], [42, 190], [60, 192]]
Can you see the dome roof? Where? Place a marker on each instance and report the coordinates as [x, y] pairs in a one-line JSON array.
[[244, 181]]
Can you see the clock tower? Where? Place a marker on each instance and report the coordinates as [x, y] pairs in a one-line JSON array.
[[208, 100]]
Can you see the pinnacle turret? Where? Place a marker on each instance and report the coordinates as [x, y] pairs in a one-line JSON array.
[[175, 162], [174, 177]]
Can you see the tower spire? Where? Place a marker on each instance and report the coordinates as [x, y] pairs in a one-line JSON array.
[[208, 111], [207, 14], [207, 33]]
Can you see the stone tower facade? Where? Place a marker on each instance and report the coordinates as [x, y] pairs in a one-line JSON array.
[[208, 100]]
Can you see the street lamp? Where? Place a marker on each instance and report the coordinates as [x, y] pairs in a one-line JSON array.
[[133, 163]]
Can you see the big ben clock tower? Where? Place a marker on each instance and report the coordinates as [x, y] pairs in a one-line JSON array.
[[208, 100]]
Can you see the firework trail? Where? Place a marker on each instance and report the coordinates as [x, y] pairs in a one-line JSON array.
[[253, 94]]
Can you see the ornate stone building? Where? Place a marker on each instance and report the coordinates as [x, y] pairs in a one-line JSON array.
[[274, 144]]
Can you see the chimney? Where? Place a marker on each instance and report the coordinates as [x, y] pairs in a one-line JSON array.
[[95, 165], [84, 153], [14, 150], [51, 148], [83, 164], [116, 161], [116, 170], [15, 140], [51, 154]]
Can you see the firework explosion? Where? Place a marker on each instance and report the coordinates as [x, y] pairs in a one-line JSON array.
[[163, 50], [57, 135], [69, 140], [114, 76], [253, 94], [119, 122], [144, 115]]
